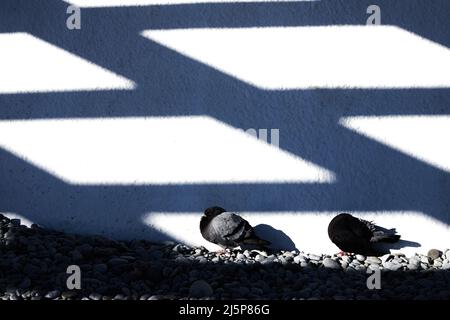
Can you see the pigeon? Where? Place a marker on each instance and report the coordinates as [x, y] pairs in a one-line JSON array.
[[356, 235], [228, 230]]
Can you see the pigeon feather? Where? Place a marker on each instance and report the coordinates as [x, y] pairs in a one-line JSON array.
[[228, 229]]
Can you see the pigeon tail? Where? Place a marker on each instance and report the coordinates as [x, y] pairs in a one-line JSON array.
[[388, 236], [381, 234]]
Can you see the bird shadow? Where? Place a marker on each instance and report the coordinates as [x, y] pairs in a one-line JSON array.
[[278, 239], [387, 247]]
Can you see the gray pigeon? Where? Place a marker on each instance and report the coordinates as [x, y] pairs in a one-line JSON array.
[[227, 229]]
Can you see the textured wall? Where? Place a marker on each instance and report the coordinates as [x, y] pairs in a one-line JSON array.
[[85, 145]]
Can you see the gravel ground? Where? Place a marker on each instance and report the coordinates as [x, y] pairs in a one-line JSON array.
[[34, 261]]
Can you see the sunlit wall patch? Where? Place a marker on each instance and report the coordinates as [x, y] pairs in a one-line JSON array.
[[315, 56], [424, 137], [29, 64], [154, 150]]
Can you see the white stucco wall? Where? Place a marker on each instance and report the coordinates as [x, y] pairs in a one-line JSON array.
[[130, 127]]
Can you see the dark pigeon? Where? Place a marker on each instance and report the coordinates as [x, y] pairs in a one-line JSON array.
[[355, 235], [228, 230]]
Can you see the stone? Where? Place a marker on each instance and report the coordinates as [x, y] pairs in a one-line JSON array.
[[200, 288], [386, 257], [156, 254], [414, 260], [433, 254], [360, 268], [52, 294], [95, 296], [240, 256], [100, 268], [257, 291], [14, 297], [298, 259], [178, 248], [85, 248], [268, 261], [182, 260], [437, 263], [15, 222], [373, 260], [243, 291], [330, 263], [447, 254], [314, 257], [117, 261], [374, 266], [413, 266], [76, 255], [396, 260], [392, 266], [360, 257], [69, 294], [128, 258], [259, 257], [424, 259], [346, 259]]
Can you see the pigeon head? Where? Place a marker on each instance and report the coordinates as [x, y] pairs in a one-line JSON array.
[[214, 211]]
